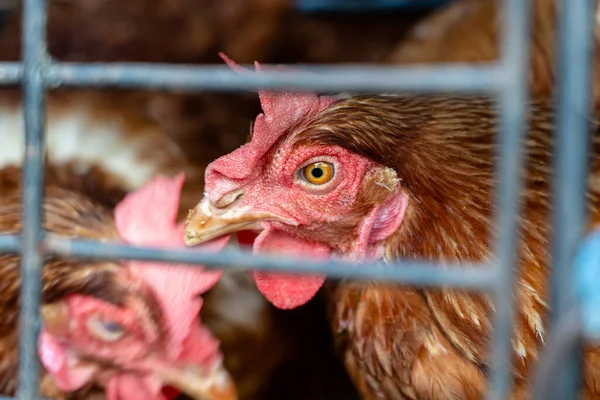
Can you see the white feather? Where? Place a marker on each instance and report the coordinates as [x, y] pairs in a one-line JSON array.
[[76, 136]]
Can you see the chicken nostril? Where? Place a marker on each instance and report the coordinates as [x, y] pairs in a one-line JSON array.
[[229, 198]]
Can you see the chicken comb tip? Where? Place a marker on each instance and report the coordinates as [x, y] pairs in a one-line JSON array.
[[232, 64], [148, 213], [178, 179]]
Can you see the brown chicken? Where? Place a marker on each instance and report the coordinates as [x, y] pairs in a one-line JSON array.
[[265, 357], [466, 31], [112, 325], [393, 177]]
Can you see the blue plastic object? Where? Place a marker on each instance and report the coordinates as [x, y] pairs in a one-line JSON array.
[[365, 5], [587, 283]]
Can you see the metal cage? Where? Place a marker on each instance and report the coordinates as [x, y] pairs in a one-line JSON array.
[[507, 79]]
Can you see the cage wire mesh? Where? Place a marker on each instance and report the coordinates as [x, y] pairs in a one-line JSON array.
[[506, 79]]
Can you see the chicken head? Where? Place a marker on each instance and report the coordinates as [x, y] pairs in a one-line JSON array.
[[140, 335], [286, 195]]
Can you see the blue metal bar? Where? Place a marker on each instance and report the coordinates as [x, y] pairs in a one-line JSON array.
[[575, 56], [442, 78], [513, 99], [13, 398], [34, 58], [11, 73], [480, 276], [10, 244], [423, 274], [563, 341]]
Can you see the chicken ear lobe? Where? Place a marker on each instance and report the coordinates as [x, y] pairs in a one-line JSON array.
[[288, 290], [378, 225], [67, 372]]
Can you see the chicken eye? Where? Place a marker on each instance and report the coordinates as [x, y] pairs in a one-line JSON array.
[[106, 330], [318, 173]]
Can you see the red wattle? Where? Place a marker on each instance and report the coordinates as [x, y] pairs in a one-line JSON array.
[[288, 290]]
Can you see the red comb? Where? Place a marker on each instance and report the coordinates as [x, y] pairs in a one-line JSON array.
[[146, 217], [281, 110]]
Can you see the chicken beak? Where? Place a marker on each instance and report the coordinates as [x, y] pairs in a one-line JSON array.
[[206, 222], [214, 385]]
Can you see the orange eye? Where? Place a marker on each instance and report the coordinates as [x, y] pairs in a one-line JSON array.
[[318, 173]]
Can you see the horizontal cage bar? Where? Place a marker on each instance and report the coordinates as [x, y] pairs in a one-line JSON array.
[[11, 73], [442, 78], [480, 276], [477, 276]]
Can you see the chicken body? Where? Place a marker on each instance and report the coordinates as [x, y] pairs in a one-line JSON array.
[[433, 343], [397, 177]]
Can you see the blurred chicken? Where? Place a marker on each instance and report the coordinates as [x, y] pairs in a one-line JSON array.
[[467, 31], [393, 177], [112, 325]]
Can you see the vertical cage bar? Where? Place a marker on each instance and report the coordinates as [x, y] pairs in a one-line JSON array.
[[571, 162], [513, 99], [34, 57]]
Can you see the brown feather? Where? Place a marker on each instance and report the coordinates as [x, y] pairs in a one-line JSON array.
[[443, 150]]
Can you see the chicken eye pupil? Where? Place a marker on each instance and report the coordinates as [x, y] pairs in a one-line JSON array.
[[105, 329], [112, 327], [317, 172]]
